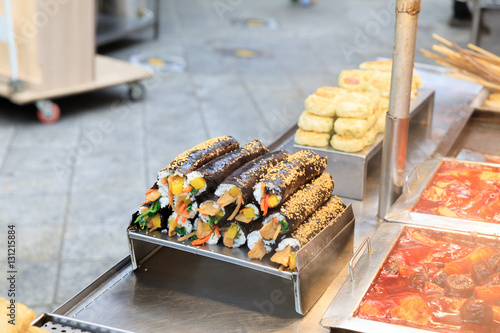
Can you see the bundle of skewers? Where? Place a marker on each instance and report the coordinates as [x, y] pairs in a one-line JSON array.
[[473, 64]]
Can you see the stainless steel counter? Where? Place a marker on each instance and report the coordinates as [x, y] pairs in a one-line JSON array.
[[178, 291]]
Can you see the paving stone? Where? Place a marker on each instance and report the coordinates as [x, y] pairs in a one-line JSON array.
[[32, 159], [38, 242], [95, 241], [62, 134], [97, 180], [101, 208], [33, 209], [36, 282], [39, 181]]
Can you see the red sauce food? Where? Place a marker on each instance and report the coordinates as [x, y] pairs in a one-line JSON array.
[[439, 281], [463, 190]]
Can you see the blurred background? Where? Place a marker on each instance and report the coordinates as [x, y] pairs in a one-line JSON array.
[[84, 140]]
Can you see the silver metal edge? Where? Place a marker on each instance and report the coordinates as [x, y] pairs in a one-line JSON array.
[[123, 266], [401, 210], [74, 323], [340, 312], [206, 252], [324, 268], [310, 251]]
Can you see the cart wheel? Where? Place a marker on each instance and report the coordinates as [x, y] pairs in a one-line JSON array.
[[48, 112], [136, 92]]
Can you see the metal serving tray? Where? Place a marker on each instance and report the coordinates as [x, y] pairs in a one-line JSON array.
[[318, 262], [475, 135], [61, 324], [349, 169], [401, 210], [339, 316]]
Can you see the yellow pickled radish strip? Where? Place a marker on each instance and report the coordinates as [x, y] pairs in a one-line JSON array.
[[206, 226], [171, 223], [156, 221], [292, 265], [273, 200], [234, 191], [232, 231], [249, 212], [177, 184], [198, 183]]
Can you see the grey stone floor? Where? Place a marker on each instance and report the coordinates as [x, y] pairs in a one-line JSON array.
[[70, 187]]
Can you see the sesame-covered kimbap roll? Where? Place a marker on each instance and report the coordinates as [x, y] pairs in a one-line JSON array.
[[171, 179], [285, 178], [209, 176], [288, 246], [237, 188], [298, 207]]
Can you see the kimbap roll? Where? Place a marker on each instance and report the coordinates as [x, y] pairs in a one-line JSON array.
[[285, 178]]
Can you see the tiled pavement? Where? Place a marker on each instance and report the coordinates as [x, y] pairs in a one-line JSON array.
[[70, 187]]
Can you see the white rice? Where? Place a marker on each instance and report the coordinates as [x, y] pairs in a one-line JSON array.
[[270, 218], [294, 243], [253, 238], [214, 239], [191, 176], [163, 201], [240, 239], [257, 192], [223, 188], [163, 188], [188, 225]]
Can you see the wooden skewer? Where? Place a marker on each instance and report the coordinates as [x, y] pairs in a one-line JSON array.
[[483, 51], [442, 40]]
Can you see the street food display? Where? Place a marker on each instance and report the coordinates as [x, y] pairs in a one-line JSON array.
[[349, 117], [438, 281], [463, 190], [246, 196]]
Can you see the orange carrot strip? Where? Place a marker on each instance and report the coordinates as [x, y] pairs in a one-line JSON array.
[[243, 209], [177, 218], [150, 190], [241, 199], [201, 241], [275, 219], [216, 229], [164, 181], [187, 189], [266, 204], [184, 219], [144, 203]]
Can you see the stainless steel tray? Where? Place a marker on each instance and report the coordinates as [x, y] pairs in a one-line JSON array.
[[61, 324], [349, 169], [318, 262], [401, 210], [339, 316], [475, 136]]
